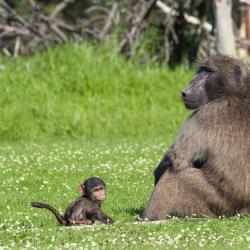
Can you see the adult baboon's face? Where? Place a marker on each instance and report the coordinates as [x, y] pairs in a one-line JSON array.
[[217, 77], [195, 94]]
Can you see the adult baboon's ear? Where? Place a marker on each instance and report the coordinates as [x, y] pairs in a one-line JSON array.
[[82, 190]]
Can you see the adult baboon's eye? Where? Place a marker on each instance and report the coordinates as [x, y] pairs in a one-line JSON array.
[[204, 69], [198, 161]]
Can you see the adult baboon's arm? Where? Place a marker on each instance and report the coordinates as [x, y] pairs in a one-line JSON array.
[[190, 149]]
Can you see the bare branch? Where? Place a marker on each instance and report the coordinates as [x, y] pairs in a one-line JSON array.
[[58, 32], [139, 20], [6, 52], [12, 12], [109, 21], [17, 47], [10, 30], [190, 19], [61, 6], [97, 8]]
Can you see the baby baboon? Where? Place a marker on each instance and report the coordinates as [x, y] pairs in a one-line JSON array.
[[207, 170], [84, 210]]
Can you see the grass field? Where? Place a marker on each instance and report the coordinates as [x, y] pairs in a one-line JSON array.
[[79, 111], [52, 172]]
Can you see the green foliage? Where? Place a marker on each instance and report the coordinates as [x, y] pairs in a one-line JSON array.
[[84, 91], [151, 46]]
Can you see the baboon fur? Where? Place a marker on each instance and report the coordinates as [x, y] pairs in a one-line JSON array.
[[217, 136]]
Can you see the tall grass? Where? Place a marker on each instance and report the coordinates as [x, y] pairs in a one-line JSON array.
[[84, 91]]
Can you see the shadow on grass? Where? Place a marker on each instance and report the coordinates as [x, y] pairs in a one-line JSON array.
[[135, 211]]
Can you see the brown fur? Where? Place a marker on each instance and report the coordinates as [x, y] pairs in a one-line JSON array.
[[218, 134]]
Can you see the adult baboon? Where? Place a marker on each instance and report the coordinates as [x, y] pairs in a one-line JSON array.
[[207, 170]]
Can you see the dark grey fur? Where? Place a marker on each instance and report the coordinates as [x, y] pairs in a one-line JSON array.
[[84, 210]]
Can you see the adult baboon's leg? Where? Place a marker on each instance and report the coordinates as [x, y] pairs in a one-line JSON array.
[[183, 193]]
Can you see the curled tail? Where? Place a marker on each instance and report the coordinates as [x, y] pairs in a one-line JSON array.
[[58, 216]]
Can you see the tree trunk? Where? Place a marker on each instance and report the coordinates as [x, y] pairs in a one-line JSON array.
[[224, 27]]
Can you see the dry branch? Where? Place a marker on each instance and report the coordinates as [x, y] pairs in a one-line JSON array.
[[129, 38], [41, 30], [60, 7], [190, 19], [22, 35], [108, 23], [17, 47]]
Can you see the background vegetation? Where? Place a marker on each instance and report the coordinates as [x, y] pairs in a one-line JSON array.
[[80, 91], [160, 31]]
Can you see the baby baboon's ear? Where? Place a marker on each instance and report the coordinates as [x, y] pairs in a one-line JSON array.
[[82, 190]]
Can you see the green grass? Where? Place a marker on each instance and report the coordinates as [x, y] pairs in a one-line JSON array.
[[80, 91], [81, 111], [51, 173]]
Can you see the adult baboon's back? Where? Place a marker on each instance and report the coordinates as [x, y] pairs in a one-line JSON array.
[[207, 169]]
